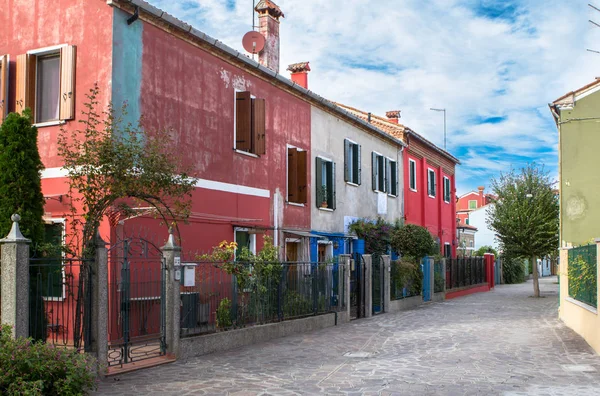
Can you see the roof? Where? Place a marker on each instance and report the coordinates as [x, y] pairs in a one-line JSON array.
[[467, 227], [166, 18], [300, 67], [397, 130], [269, 7], [568, 99]]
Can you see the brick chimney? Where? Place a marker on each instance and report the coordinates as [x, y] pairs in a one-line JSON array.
[[481, 198], [393, 116], [268, 25], [299, 73]]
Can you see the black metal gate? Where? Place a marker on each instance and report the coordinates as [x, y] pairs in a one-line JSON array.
[[357, 287], [136, 298], [377, 283]]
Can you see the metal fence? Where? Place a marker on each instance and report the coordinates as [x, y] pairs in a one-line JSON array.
[[60, 301], [438, 277], [465, 271], [403, 280], [583, 280], [235, 295]]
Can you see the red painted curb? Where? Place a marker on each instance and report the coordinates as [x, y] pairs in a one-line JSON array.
[[466, 292]]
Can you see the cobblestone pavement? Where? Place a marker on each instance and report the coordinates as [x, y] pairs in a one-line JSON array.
[[497, 343]]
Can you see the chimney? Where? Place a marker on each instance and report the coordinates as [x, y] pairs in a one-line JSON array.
[[393, 116], [268, 25], [300, 73], [481, 200]]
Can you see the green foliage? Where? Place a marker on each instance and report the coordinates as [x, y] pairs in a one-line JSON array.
[[295, 304], [376, 234], [513, 270], [413, 241], [406, 273], [485, 249], [224, 314], [33, 368], [20, 177], [583, 280], [114, 167], [438, 282]]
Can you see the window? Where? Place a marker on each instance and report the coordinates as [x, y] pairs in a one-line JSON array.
[[244, 239], [49, 272], [3, 87], [467, 221], [385, 174], [46, 83], [325, 183], [412, 169], [324, 251], [472, 204], [250, 124], [352, 156], [297, 178], [447, 190], [292, 247], [447, 250], [392, 178], [431, 183]]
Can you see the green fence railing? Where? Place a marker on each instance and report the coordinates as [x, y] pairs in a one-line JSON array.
[[583, 279]]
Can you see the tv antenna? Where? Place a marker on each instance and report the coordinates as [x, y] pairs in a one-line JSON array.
[[595, 24]]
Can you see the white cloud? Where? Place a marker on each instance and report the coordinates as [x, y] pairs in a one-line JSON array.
[[435, 54]]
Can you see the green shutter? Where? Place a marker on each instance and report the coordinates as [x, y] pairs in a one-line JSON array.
[[374, 169], [331, 187], [318, 181], [394, 178], [358, 164], [347, 148]]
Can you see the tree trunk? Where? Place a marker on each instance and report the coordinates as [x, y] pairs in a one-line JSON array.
[[536, 283]]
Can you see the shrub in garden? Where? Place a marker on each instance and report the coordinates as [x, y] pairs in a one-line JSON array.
[[35, 368], [224, 314], [376, 234], [413, 241], [513, 270], [407, 273]]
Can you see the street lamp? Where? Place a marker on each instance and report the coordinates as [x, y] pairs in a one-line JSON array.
[[444, 110]]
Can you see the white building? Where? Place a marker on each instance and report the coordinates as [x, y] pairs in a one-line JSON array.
[[484, 236]]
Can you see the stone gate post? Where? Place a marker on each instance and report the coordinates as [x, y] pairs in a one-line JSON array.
[[344, 279], [368, 284], [99, 330], [15, 280], [172, 256], [386, 272]]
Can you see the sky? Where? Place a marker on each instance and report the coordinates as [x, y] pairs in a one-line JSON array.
[[494, 65]]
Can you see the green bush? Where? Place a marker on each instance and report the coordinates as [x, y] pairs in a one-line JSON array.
[[407, 273], [438, 282], [513, 270], [295, 304], [224, 314], [413, 241], [35, 368]]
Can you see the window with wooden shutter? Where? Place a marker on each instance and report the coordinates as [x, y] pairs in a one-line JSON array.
[[375, 168], [258, 127], [67, 82], [243, 120], [292, 175], [358, 165], [347, 161], [25, 88], [302, 177], [331, 186], [393, 178], [319, 182], [3, 87]]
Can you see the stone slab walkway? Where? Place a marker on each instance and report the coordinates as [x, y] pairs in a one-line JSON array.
[[497, 343]]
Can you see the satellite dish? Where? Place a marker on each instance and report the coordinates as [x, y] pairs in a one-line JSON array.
[[253, 42]]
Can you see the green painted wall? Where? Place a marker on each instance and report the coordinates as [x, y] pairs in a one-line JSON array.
[[580, 171]]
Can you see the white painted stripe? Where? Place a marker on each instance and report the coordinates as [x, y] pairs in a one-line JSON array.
[[53, 173]]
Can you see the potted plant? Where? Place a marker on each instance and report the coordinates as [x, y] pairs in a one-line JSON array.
[[323, 192]]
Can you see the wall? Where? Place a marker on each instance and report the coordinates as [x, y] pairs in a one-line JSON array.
[[583, 319], [579, 184], [484, 236], [327, 140]]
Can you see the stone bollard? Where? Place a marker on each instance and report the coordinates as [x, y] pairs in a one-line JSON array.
[[344, 279], [172, 256], [15, 280], [368, 284], [386, 282], [99, 328]]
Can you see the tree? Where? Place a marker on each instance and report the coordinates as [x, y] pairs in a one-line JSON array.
[[21, 193], [525, 215], [413, 241], [485, 249], [114, 166]]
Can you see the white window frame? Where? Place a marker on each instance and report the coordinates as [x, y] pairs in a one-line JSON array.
[[58, 220], [325, 159], [55, 49], [252, 239], [410, 175], [235, 91], [429, 171], [389, 178], [350, 163], [469, 204], [378, 189], [287, 164], [449, 190]]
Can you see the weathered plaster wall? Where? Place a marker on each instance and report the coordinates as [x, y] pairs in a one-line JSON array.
[[327, 140], [580, 178]]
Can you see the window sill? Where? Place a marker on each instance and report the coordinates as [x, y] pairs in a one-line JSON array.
[[352, 184], [431, 196], [446, 201], [582, 305], [49, 123], [413, 189], [392, 196], [295, 204], [246, 153], [326, 209]]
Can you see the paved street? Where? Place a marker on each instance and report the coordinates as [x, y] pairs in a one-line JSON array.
[[503, 342]]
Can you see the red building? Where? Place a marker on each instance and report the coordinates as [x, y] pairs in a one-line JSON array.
[[429, 180], [470, 201]]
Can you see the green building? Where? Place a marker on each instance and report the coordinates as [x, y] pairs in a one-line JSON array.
[[577, 116]]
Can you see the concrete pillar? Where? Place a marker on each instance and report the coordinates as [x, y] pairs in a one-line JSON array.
[[444, 275], [431, 263], [15, 280], [489, 265], [172, 257], [368, 284], [386, 272], [99, 328], [344, 278]]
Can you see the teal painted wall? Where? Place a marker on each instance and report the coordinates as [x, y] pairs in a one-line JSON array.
[[127, 67]]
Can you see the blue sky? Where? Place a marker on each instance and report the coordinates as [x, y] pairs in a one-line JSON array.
[[493, 64]]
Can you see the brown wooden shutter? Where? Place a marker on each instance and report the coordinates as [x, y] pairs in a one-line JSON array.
[[243, 119], [67, 82], [25, 92], [3, 86], [258, 126], [302, 177], [292, 175]]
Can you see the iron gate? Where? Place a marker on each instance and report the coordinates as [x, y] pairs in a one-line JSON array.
[[136, 298], [357, 287], [377, 283]]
